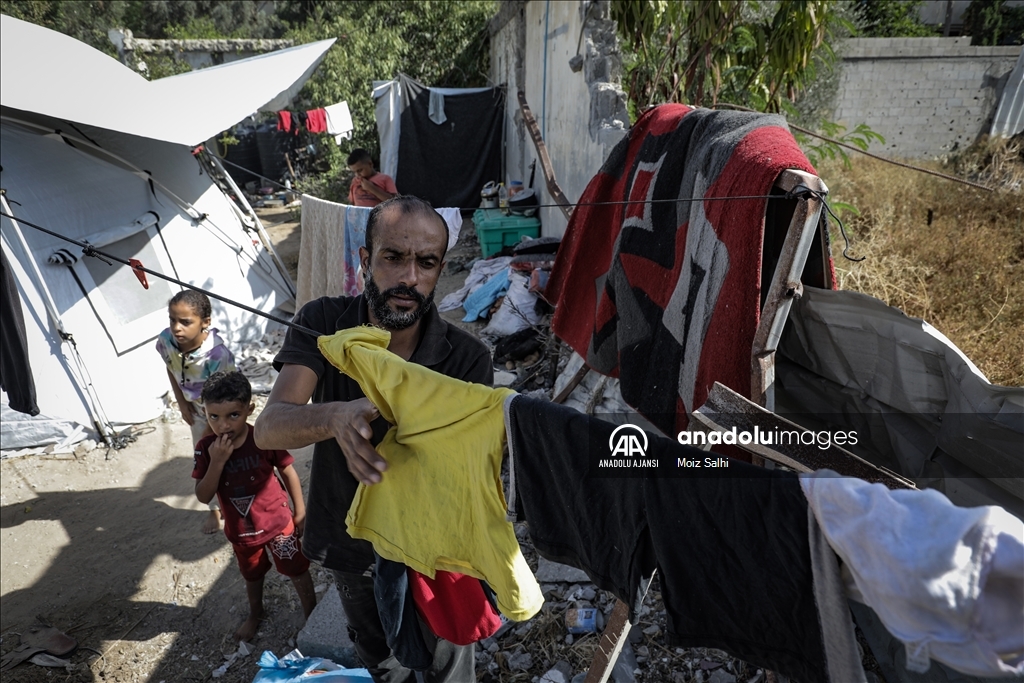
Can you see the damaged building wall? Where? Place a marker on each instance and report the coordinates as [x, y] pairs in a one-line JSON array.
[[926, 96], [581, 113]]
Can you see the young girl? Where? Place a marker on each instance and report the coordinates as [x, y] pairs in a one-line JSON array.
[[193, 351]]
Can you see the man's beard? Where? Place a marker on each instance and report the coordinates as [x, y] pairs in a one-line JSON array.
[[377, 302]]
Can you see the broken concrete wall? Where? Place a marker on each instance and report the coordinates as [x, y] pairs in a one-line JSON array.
[[581, 114], [197, 53], [926, 96]]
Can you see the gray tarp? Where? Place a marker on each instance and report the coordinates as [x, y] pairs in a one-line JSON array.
[[921, 406]]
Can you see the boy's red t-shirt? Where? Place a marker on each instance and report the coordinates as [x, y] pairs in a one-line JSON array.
[[253, 500], [357, 196]]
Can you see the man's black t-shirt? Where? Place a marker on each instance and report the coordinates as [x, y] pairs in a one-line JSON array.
[[444, 348]]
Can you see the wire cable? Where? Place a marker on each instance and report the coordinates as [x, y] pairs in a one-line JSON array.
[[89, 250]]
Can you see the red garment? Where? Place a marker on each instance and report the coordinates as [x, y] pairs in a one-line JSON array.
[[253, 501], [284, 121], [285, 549], [454, 606], [316, 121], [357, 196]]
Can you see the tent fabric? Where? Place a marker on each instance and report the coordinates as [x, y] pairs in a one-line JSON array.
[[80, 195], [445, 164], [920, 407], [49, 73]]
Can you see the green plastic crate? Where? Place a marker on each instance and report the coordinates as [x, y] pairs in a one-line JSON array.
[[496, 230]]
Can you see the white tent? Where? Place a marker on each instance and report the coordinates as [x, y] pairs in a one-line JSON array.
[[92, 151]]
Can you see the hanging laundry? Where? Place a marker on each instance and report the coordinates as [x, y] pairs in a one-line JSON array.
[[316, 121], [329, 249], [284, 121], [946, 581], [440, 503], [397, 610], [339, 121], [454, 606], [731, 547], [453, 219], [435, 110], [15, 371], [688, 271]]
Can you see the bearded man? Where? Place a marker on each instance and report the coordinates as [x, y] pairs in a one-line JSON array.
[[406, 241]]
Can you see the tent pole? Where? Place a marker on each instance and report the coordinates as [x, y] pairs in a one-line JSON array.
[[93, 405], [259, 225]]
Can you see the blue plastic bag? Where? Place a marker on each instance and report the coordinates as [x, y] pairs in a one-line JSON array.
[[305, 670]]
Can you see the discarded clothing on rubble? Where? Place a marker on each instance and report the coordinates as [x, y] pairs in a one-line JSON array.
[[731, 546], [440, 503], [479, 302], [682, 277], [479, 274], [518, 345], [294, 668], [518, 309], [947, 581]]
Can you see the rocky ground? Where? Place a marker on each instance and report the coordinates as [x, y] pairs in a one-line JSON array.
[[105, 545]]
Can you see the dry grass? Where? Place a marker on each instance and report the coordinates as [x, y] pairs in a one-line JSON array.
[[963, 273]]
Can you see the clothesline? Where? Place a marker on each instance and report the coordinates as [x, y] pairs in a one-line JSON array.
[[797, 193], [89, 250], [335, 120]]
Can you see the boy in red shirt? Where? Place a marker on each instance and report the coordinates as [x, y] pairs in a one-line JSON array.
[[368, 188], [254, 503]]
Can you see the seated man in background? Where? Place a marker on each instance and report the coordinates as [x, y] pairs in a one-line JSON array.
[[369, 187]]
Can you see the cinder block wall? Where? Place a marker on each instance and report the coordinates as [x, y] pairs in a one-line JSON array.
[[926, 96]]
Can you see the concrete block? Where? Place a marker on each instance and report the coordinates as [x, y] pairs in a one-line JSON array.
[[552, 572], [326, 632]]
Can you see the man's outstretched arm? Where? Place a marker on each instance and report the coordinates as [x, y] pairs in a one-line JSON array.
[[289, 421]]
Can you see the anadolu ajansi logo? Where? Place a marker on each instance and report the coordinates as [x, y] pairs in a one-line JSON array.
[[626, 441]]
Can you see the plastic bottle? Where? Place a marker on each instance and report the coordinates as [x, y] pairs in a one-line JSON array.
[[503, 198]]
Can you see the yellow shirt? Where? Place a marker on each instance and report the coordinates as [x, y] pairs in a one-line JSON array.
[[440, 504]]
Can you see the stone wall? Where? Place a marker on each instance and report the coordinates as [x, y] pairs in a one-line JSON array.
[[581, 113], [926, 96]]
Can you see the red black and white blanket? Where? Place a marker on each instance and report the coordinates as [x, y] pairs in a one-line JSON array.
[[665, 295]]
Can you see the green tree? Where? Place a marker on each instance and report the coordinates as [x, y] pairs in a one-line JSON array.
[[994, 22], [891, 19], [85, 20], [754, 54], [760, 56]]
